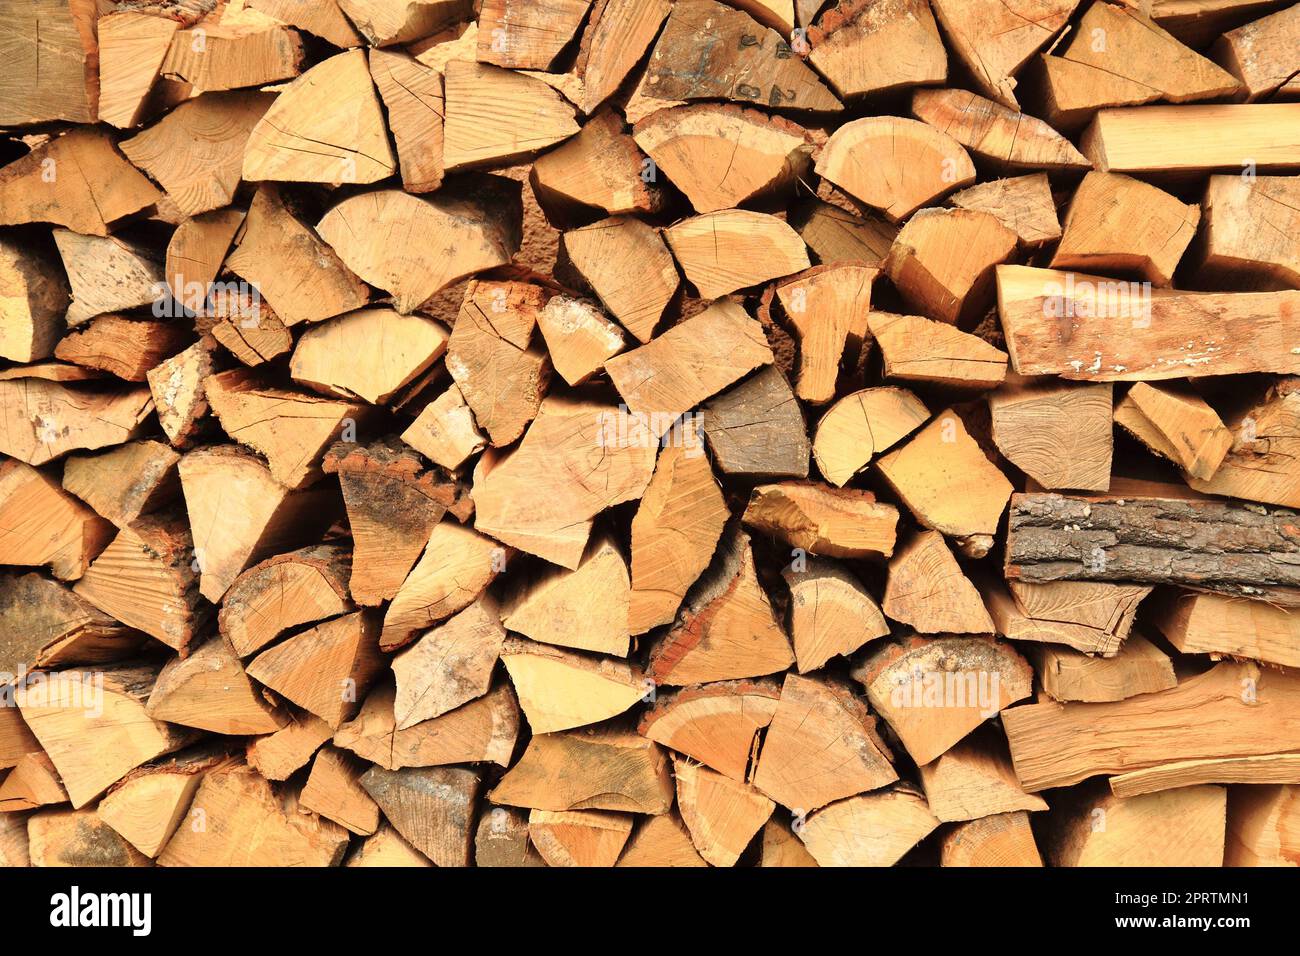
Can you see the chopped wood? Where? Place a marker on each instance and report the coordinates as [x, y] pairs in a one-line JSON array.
[[501, 840], [1099, 829], [1246, 228], [32, 783], [35, 295], [871, 829], [433, 808], [629, 268], [716, 724], [1260, 54], [917, 349], [1226, 626], [333, 791], [1264, 437], [152, 802], [1173, 140], [50, 626], [107, 275], [1004, 137], [579, 337], [867, 47], [1088, 616], [177, 389], [226, 56], [835, 522], [559, 690], [527, 35], [283, 592], [1259, 827], [722, 815], [457, 566], [928, 590], [1056, 433], [755, 429], [975, 779], [209, 690], [44, 420], [1168, 333], [390, 22], [1138, 668], [413, 98], [617, 36], [446, 431], [325, 20], [1023, 204], [78, 838], [1268, 768], [124, 347], [831, 613], [1003, 839], [781, 848], [496, 117], [722, 252], [1180, 426], [601, 169], [583, 838], [45, 526], [449, 665], [827, 308], [67, 87], [859, 426], [278, 755], [661, 841]]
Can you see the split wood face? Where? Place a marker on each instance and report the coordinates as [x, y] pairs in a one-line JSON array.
[[649, 433]]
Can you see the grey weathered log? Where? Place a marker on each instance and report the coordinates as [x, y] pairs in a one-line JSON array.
[[755, 429], [1225, 545]]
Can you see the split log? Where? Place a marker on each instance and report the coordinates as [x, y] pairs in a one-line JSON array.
[[36, 296], [1058, 434], [78, 180], [457, 566], [483, 730], [872, 829], [579, 337], [446, 431], [124, 347], [196, 152], [107, 275], [862, 424], [1265, 769], [177, 388], [528, 36], [827, 307], [236, 819], [601, 770], [599, 170], [675, 530], [372, 234], [1088, 616], [781, 848], [213, 56], [949, 485], [391, 22], [582, 838], [586, 608], [44, 420], [1266, 435], [927, 590], [325, 670], [1136, 62], [1246, 225], [1192, 139], [433, 808], [935, 691], [332, 357], [996, 39], [1023, 204], [16, 740], [46, 625], [917, 349], [1180, 426], [628, 267], [93, 725], [746, 63], [210, 691], [975, 779], [1003, 137], [1139, 668], [301, 277], [835, 522], [1261, 54], [559, 690], [722, 815], [413, 99], [1260, 826], [492, 358], [33, 783], [67, 88], [527, 499], [717, 724], [1232, 710], [618, 34], [147, 579], [821, 746], [1150, 540], [325, 20], [722, 252], [496, 117], [838, 235], [78, 838], [449, 665], [722, 155], [1119, 224], [1226, 626], [1004, 839], [942, 262], [279, 755], [867, 47], [1177, 828], [661, 841], [756, 430], [501, 840], [831, 613], [1168, 333], [893, 164], [44, 526], [150, 804], [333, 791], [283, 592]]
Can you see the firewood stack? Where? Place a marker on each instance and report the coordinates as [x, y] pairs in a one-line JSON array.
[[649, 433]]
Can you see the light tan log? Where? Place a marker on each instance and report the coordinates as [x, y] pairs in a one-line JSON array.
[[831, 613], [1225, 626], [1266, 433], [107, 275], [1090, 616], [1260, 827], [1058, 434], [1193, 140], [1023, 204], [872, 829], [43, 525], [1004, 137], [559, 689], [835, 522], [722, 252], [67, 88], [1139, 668], [629, 268], [44, 420], [457, 565], [496, 117], [600, 169], [618, 34], [1096, 828], [583, 838], [1177, 425], [928, 591], [975, 779], [716, 724], [827, 308], [863, 47], [1239, 247], [1264, 769], [723, 815], [1004, 839], [1261, 54], [917, 349]]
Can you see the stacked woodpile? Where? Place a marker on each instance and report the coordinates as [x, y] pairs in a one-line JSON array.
[[595, 432]]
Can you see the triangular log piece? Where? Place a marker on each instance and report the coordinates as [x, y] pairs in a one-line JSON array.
[[147, 579], [582, 838], [821, 746], [747, 63], [277, 756], [716, 724], [325, 670], [497, 117], [975, 779], [1057, 433], [827, 307], [46, 526], [482, 731], [386, 847], [935, 691], [36, 296], [949, 484], [446, 431], [389, 237], [721, 252], [579, 337], [1178, 425], [599, 170], [1261, 54], [283, 592], [589, 770], [1089, 616], [893, 164], [836, 235], [177, 389], [413, 100], [528, 34], [1175, 828], [432, 807], [627, 265], [722, 815], [756, 430], [928, 591], [210, 691], [391, 22], [501, 839], [560, 689], [861, 425], [93, 725], [61, 837], [726, 628], [1237, 249], [237, 819], [831, 613], [1003, 839], [47, 625], [269, 518], [333, 791], [819, 519], [617, 35], [866, 47], [325, 20], [1260, 826], [1139, 668], [1005, 138], [871, 829], [449, 665], [781, 848], [125, 482], [917, 349], [216, 54], [1266, 436], [661, 841], [33, 783], [1197, 622], [1023, 204], [107, 275]]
